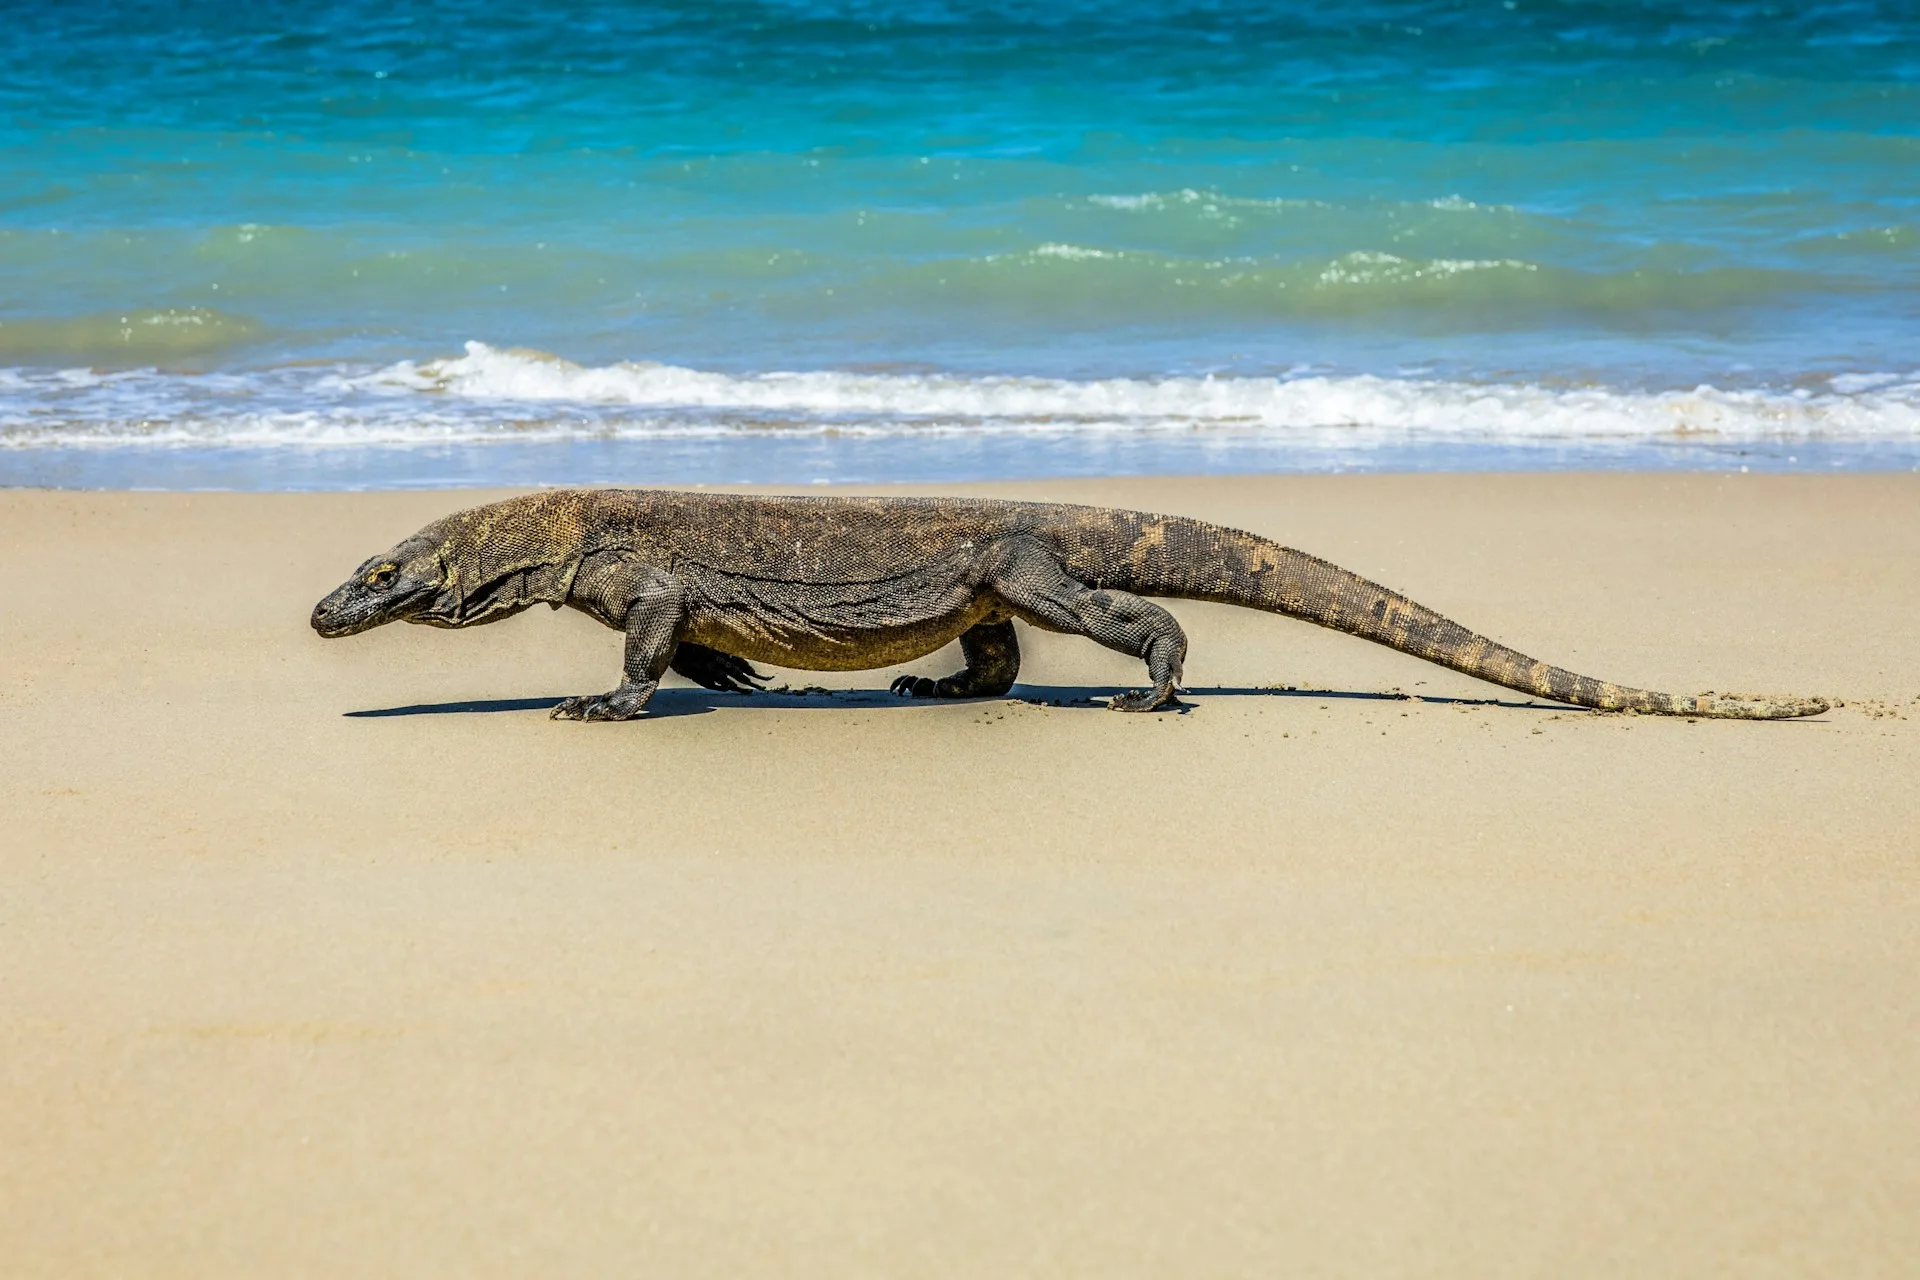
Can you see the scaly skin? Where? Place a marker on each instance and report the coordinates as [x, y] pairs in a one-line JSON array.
[[708, 584]]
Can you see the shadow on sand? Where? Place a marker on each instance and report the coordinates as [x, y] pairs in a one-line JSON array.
[[687, 702]]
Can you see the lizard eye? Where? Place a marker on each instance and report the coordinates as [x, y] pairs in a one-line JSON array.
[[382, 578]]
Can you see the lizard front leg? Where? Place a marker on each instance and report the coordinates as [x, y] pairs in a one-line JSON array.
[[656, 614], [712, 669]]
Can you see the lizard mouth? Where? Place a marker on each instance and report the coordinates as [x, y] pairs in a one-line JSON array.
[[343, 615], [333, 628], [352, 608]]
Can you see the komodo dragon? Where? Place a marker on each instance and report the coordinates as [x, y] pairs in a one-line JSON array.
[[707, 584]]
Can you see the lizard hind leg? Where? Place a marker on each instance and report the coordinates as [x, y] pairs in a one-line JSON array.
[[992, 652], [1035, 585]]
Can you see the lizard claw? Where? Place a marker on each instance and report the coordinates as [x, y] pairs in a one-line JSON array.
[[915, 687], [1145, 700], [712, 669]]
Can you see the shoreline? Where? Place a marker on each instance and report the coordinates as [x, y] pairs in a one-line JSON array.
[[331, 956], [756, 461]]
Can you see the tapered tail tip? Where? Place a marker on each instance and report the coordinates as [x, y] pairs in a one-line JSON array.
[[1753, 706]]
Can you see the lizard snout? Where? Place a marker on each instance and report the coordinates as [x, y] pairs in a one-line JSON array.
[[343, 613], [325, 617]]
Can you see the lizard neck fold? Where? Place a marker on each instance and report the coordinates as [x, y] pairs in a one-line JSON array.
[[509, 556]]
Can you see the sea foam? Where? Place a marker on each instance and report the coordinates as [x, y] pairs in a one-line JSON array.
[[498, 394], [1854, 406]]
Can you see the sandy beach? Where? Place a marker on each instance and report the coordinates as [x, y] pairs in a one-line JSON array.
[[340, 958]]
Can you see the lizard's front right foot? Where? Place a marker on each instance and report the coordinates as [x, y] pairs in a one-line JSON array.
[[712, 669], [624, 703]]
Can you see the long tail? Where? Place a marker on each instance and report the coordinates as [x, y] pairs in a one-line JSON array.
[[1190, 559]]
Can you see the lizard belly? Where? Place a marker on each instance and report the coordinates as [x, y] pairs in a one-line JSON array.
[[827, 649], [844, 626]]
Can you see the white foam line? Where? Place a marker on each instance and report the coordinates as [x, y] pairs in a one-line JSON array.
[[1504, 410], [491, 394]]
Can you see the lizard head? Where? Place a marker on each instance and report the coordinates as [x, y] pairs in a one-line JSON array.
[[405, 584], [474, 566]]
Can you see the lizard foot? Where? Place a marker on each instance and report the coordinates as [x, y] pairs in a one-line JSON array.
[[916, 687], [1155, 699], [623, 703], [712, 669]]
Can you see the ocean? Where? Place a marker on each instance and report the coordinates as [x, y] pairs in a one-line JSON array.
[[283, 245]]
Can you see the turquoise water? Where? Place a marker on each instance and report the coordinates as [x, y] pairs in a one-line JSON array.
[[410, 243]]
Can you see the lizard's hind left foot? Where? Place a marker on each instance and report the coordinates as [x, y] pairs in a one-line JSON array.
[[1147, 700]]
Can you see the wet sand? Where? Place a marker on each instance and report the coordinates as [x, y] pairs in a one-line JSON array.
[[340, 958]]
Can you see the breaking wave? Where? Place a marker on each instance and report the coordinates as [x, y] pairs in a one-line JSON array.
[[493, 394], [1851, 406]]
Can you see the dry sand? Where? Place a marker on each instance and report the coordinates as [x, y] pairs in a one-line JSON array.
[[1311, 983]]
